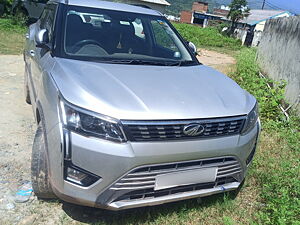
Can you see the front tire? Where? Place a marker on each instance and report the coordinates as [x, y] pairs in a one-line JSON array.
[[39, 166]]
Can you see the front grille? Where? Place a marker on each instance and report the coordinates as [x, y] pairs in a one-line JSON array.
[[139, 183], [151, 193], [173, 130]]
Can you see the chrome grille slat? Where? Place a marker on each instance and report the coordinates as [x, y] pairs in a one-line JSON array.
[[144, 177], [227, 171], [149, 173], [173, 130], [137, 178], [229, 174], [130, 188], [227, 167], [135, 183]]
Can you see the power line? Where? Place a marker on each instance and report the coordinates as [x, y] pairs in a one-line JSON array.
[[271, 5]]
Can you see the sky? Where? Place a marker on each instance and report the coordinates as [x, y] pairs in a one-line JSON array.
[[292, 6]]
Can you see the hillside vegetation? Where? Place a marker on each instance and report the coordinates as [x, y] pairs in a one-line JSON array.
[[178, 5]]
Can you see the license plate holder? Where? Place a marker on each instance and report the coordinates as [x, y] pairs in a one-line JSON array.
[[187, 177]]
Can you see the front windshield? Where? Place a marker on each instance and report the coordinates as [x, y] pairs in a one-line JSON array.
[[117, 36]]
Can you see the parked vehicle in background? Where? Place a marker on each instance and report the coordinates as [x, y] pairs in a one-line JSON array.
[[29, 8], [127, 116]]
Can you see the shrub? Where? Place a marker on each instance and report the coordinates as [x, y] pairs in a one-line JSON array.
[[5, 7], [247, 75], [277, 170], [207, 37]]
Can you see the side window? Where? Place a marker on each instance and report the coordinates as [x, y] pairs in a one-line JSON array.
[[161, 35], [47, 20], [44, 15]]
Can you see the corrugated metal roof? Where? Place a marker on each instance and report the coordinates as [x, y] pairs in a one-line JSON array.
[[257, 15], [159, 2]]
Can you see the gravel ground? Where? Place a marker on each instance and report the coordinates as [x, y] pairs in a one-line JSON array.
[[17, 128], [16, 135]]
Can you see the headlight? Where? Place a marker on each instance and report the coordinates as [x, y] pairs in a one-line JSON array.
[[90, 124], [250, 120]]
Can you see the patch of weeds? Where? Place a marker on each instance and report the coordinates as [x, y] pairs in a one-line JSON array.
[[12, 37], [228, 220], [209, 38], [247, 76], [276, 168]]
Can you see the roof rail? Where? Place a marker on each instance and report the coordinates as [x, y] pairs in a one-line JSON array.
[[143, 6]]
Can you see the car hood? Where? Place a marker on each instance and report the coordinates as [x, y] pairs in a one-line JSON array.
[[142, 92]]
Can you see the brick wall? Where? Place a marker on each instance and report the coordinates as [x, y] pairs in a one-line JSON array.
[[186, 16], [200, 6], [221, 12]]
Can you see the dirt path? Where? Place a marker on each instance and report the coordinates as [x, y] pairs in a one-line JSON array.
[[219, 61], [17, 130]]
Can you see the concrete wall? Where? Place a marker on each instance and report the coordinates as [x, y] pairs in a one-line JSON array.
[[279, 54], [256, 38]]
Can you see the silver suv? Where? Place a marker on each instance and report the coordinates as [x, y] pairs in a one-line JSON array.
[[127, 116]]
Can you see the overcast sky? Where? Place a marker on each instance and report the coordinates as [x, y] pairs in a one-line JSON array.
[[292, 6]]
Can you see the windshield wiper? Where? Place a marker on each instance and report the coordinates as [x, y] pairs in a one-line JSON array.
[[137, 62], [150, 62], [184, 63]]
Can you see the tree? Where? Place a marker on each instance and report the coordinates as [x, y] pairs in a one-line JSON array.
[[238, 11], [5, 6]]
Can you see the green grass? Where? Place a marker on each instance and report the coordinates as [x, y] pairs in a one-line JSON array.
[[209, 38], [277, 164], [12, 37]]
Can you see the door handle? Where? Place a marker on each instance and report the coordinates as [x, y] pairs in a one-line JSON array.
[[32, 52]]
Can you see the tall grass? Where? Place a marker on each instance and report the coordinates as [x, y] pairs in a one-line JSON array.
[[277, 164], [209, 37], [12, 37]]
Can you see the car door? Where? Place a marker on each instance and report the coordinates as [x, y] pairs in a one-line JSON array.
[[38, 56]]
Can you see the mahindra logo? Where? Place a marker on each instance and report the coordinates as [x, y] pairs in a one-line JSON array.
[[193, 129]]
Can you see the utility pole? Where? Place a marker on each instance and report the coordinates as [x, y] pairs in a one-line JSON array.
[[263, 5]]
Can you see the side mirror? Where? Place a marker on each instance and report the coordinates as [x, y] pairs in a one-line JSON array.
[[193, 47], [42, 39]]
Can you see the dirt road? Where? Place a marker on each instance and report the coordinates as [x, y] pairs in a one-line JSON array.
[[219, 61], [17, 130]]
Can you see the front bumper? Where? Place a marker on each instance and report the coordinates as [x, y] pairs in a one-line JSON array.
[[113, 161]]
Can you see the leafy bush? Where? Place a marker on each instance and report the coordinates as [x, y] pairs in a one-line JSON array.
[[7, 5], [11, 26], [11, 37], [207, 37], [247, 75]]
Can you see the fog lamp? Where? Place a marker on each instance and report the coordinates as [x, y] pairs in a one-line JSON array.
[[80, 177]]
